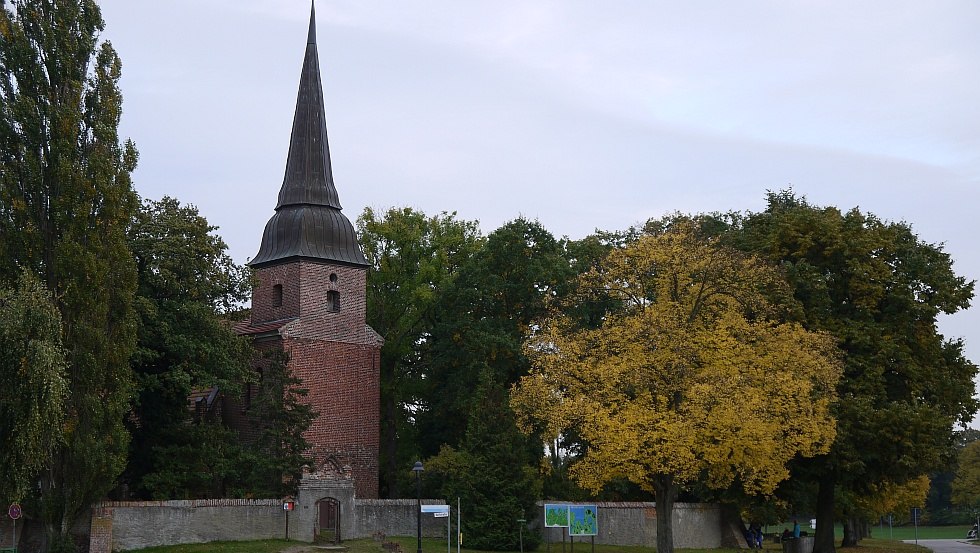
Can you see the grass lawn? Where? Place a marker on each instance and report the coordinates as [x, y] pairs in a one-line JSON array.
[[924, 532], [877, 545]]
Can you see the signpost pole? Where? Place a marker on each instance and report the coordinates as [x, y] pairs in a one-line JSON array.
[[14, 512], [915, 520]]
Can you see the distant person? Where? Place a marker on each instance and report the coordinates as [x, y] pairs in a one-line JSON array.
[[787, 534], [796, 529]]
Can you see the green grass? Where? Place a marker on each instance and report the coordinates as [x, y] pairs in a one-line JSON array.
[[880, 544], [924, 532]]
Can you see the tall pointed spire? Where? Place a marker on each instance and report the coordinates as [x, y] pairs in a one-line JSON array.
[[308, 222], [312, 37]]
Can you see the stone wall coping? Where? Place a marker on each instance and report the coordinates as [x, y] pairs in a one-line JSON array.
[[630, 504], [193, 503], [395, 502]]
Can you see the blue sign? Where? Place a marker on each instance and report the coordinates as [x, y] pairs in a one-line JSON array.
[[583, 520]]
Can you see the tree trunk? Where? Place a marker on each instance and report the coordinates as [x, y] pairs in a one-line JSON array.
[[823, 539], [666, 493], [851, 532]]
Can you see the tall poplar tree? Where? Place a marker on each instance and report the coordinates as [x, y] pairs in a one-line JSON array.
[[65, 201]]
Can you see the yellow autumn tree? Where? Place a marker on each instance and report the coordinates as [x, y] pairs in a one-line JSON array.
[[966, 484], [689, 378], [887, 497]]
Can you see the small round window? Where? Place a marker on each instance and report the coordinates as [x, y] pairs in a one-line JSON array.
[[333, 277]]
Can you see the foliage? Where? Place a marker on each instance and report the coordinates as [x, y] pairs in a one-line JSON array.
[[492, 473], [939, 503], [481, 322], [413, 259], [65, 201], [198, 461], [280, 417], [186, 284], [690, 379], [887, 497], [966, 485], [35, 386], [879, 290], [204, 459]]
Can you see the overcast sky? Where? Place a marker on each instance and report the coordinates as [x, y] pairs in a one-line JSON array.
[[580, 114]]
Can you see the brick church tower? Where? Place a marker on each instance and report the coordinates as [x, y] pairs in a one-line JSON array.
[[310, 297]]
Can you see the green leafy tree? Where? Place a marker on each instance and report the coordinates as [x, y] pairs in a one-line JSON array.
[[481, 322], [493, 473], [879, 290], [65, 202], [35, 386], [187, 287], [691, 378], [280, 417], [413, 259], [204, 460]]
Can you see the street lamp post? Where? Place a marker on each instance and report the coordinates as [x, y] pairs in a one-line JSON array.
[[417, 469]]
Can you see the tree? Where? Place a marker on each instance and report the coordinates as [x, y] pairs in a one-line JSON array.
[[492, 472], [203, 460], [65, 201], [939, 504], [481, 321], [691, 379], [886, 497], [32, 370], [280, 417], [879, 290], [413, 259], [966, 485], [187, 286]]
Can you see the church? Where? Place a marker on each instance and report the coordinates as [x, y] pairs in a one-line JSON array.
[[309, 299]]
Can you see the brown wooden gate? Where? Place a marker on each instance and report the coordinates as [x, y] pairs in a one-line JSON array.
[[327, 521]]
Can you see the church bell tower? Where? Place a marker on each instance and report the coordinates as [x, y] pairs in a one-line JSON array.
[[310, 301]]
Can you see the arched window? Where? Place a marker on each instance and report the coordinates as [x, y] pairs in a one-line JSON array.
[[277, 295], [333, 300]]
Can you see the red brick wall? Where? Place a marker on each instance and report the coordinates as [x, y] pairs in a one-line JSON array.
[[344, 386], [304, 294], [288, 276], [335, 354]]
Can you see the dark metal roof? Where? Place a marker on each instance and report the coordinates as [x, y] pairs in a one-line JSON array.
[[308, 222]]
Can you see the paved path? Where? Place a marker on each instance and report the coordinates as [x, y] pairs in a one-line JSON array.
[[948, 546]]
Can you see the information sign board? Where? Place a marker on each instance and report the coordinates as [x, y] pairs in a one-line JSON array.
[[583, 520], [555, 515]]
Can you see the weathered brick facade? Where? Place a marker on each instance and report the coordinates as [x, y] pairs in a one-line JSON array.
[[333, 352]]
